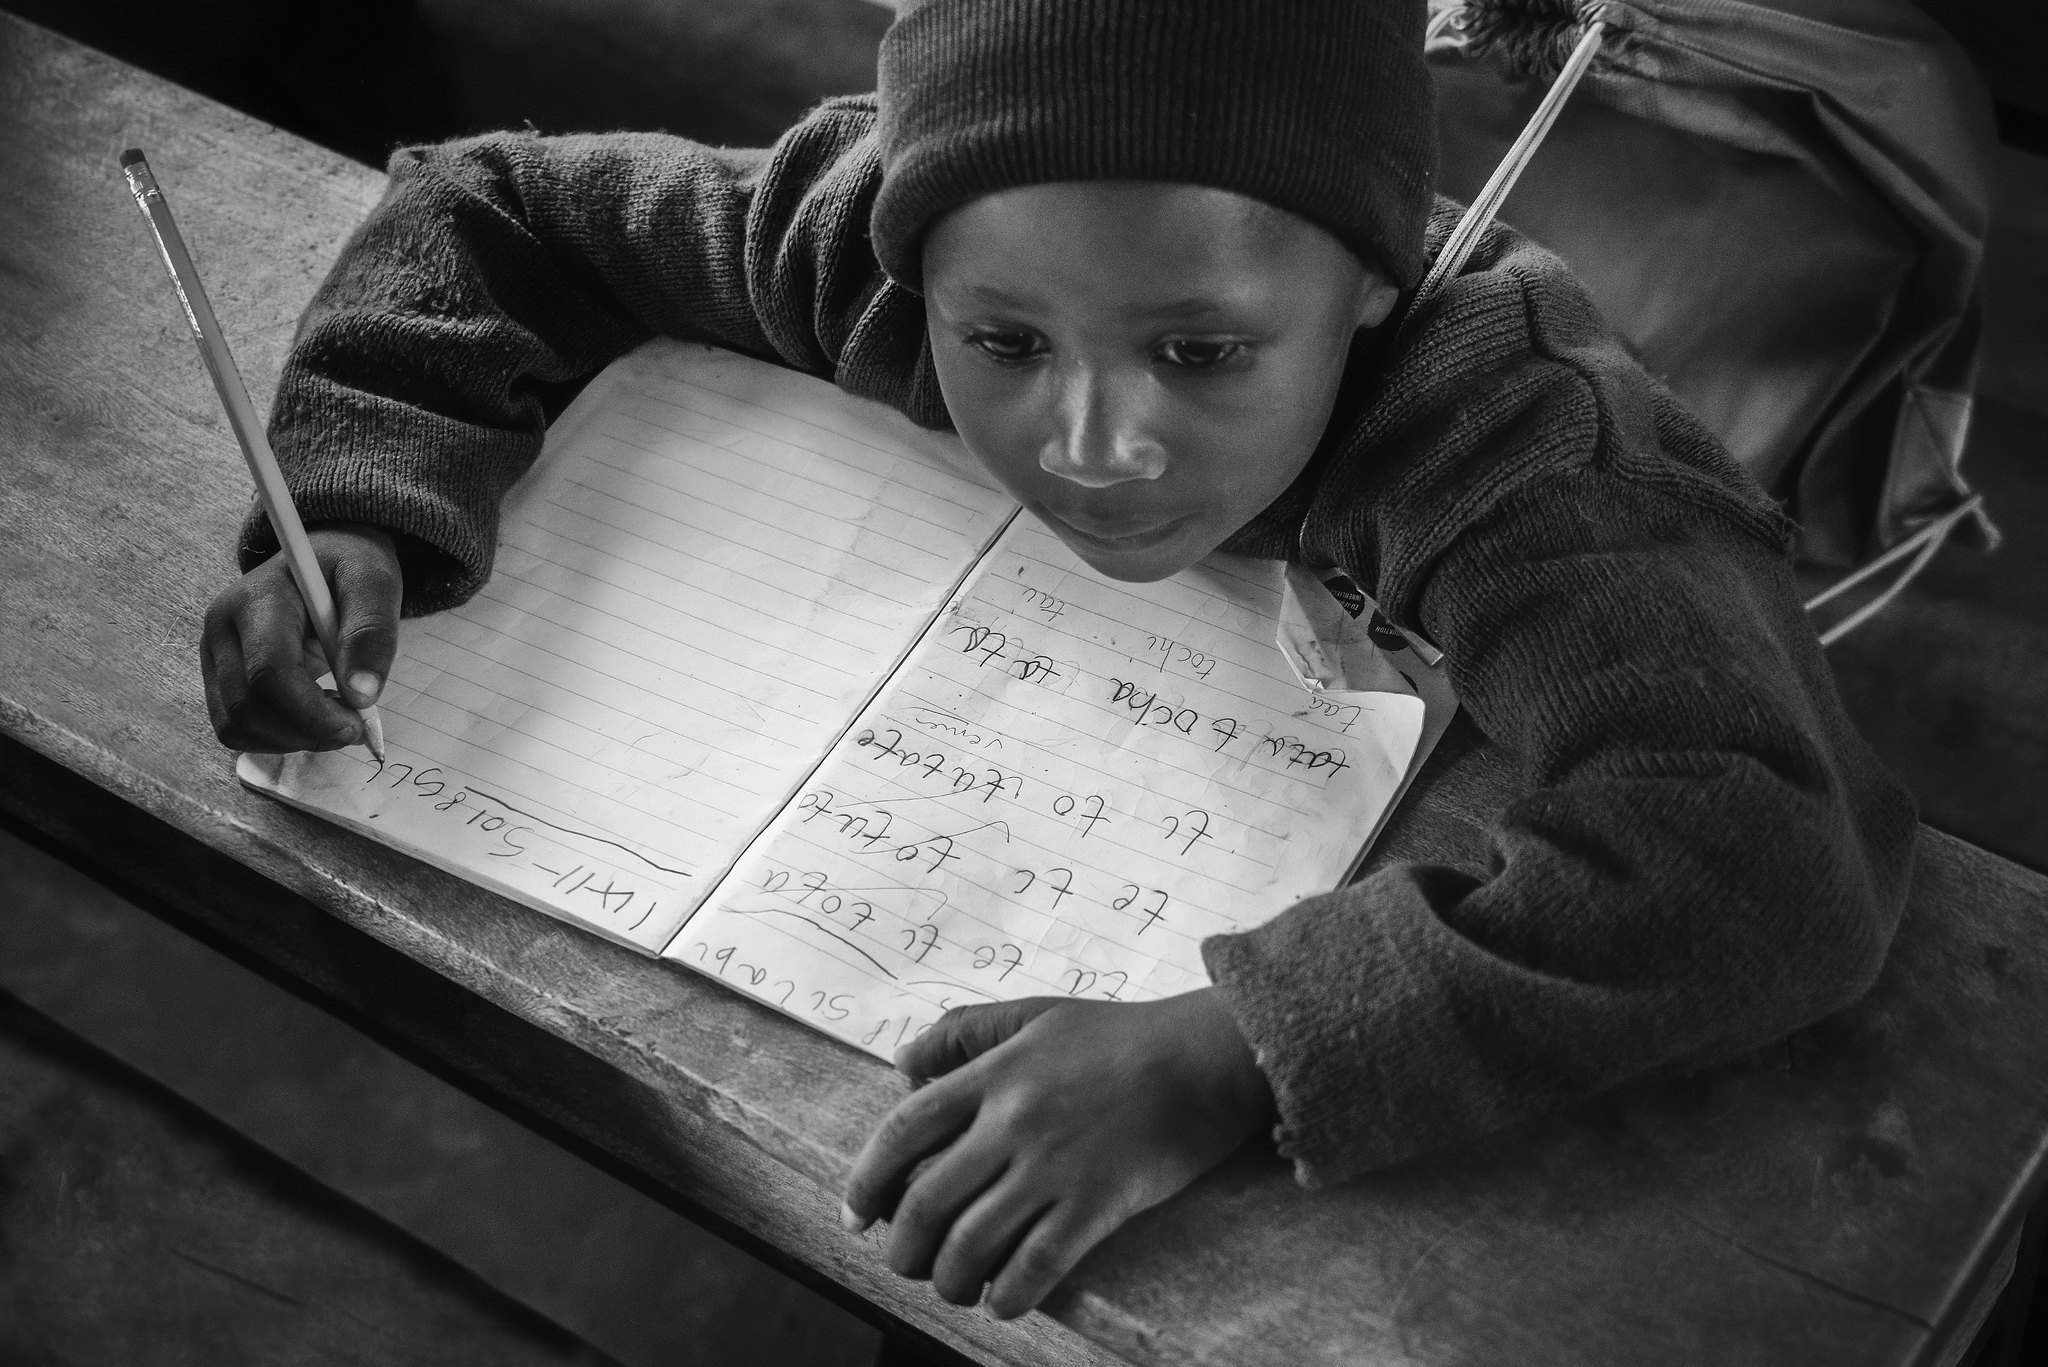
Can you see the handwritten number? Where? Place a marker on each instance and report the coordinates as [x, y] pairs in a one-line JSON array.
[[1006, 954], [1093, 814], [919, 940]]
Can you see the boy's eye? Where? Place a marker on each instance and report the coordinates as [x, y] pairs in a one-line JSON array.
[[1006, 344], [1194, 355]]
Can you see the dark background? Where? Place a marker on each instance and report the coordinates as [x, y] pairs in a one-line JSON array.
[[363, 76]]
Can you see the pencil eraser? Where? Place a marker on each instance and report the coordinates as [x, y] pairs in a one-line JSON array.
[[131, 156]]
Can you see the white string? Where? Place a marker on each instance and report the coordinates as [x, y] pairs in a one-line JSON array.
[[1440, 21], [1926, 541], [1479, 215]]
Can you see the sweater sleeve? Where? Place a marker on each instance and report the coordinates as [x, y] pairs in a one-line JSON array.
[[500, 272], [1704, 855]]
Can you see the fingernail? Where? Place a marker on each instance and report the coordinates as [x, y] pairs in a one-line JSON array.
[[365, 685], [851, 1222], [349, 734]]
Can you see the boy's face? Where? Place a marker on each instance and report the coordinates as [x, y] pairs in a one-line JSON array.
[[1145, 366]]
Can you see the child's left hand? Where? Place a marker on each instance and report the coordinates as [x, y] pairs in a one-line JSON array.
[[1051, 1122]]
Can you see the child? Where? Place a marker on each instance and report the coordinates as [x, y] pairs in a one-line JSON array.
[[1148, 257]]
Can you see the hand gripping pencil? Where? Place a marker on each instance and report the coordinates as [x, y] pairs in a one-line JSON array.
[[234, 396]]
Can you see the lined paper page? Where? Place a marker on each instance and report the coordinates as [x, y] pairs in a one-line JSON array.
[[711, 567], [1070, 784]]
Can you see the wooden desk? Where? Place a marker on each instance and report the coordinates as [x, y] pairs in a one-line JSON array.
[[1839, 1201]]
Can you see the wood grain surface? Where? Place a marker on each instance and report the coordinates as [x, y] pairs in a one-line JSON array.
[[1836, 1200]]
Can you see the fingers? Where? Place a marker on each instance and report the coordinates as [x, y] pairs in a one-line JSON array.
[[983, 1237], [259, 657], [367, 591], [964, 1033], [922, 1123], [281, 691], [1060, 1239], [227, 689], [926, 1213], [260, 693]]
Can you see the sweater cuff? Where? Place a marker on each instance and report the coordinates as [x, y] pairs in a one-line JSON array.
[[1361, 1055], [433, 482]]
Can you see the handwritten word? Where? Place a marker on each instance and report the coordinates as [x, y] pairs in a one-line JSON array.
[[947, 723], [1151, 914], [1171, 652], [882, 1026], [919, 941], [1044, 602], [1342, 715], [1090, 809], [888, 745], [1084, 980], [831, 1006], [858, 911], [870, 829], [1059, 889], [1195, 827], [423, 784], [1006, 954], [1152, 712], [1019, 663], [605, 895], [1298, 754], [940, 847]]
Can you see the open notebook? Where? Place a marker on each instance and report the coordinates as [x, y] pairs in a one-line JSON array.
[[770, 681]]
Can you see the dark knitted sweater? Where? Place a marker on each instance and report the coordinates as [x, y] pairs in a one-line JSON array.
[[1705, 855]]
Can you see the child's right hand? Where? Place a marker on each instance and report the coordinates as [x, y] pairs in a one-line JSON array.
[[260, 656]]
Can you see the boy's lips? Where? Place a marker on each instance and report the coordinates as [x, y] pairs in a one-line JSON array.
[[1120, 533]]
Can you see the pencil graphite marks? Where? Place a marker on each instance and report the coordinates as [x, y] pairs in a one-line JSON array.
[[234, 397]]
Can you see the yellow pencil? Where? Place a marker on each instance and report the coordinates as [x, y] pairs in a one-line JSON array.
[[234, 396]]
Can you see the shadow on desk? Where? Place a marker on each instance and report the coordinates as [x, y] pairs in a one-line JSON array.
[[385, 1144]]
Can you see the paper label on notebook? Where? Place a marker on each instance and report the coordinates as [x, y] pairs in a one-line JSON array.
[[1068, 786], [709, 569]]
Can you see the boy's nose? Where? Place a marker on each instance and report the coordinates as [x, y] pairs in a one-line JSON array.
[[1097, 440]]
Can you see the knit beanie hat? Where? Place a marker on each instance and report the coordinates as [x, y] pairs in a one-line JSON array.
[[1320, 107]]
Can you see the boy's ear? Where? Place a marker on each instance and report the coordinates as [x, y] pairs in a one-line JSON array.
[[1377, 296]]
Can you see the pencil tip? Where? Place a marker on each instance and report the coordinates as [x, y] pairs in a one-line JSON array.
[[131, 156], [373, 732]]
